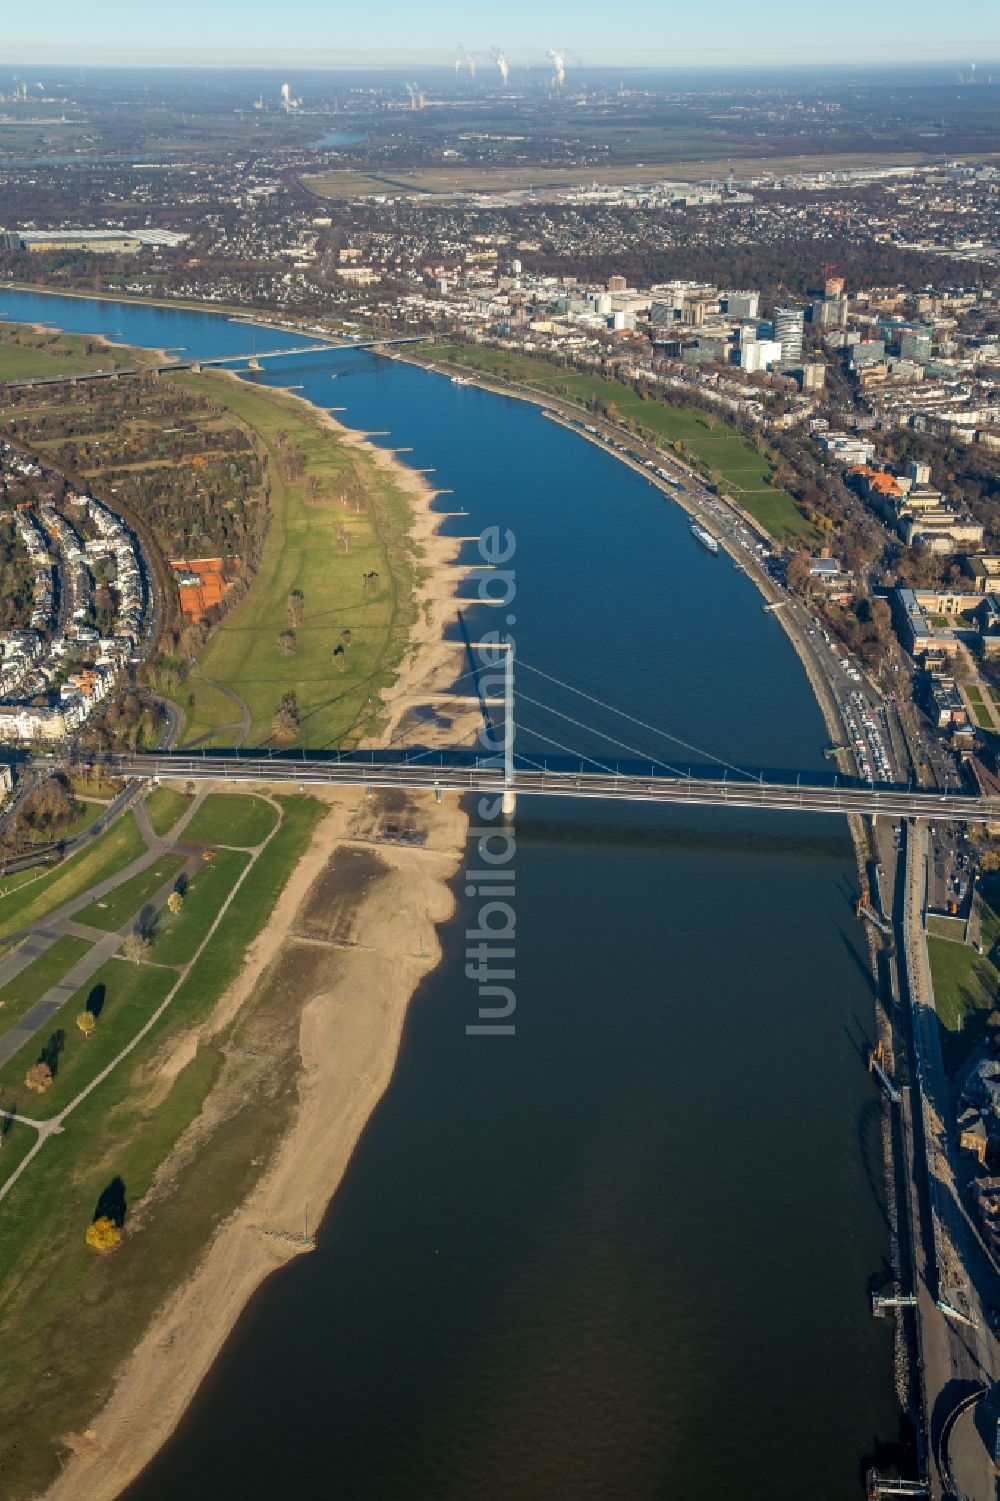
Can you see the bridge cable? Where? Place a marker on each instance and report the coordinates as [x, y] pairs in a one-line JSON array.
[[571, 752], [719, 760], [527, 699]]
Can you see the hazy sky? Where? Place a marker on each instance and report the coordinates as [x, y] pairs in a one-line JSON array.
[[331, 33]]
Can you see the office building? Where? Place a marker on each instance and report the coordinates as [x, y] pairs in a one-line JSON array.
[[789, 323]]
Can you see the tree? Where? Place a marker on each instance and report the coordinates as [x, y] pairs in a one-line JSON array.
[[287, 643], [38, 1078], [86, 1021], [136, 947], [285, 723], [797, 572], [296, 601], [103, 1234], [175, 901]]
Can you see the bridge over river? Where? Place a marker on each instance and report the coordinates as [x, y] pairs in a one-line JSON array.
[[253, 358], [445, 772]]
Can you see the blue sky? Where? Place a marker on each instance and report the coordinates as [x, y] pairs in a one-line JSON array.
[[331, 33]]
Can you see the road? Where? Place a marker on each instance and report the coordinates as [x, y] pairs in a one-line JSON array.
[[955, 1350]]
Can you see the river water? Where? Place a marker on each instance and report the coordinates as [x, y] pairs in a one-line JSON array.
[[627, 1252]]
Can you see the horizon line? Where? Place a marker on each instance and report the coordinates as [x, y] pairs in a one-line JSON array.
[[696, 58]]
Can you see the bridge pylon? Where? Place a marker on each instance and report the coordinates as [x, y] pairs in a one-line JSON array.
[[509, 794]]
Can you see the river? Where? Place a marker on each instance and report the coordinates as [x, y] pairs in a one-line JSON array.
[[627, 1252]]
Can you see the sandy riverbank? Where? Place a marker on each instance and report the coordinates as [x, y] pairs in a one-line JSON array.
[[431, 664], [364, 948], [356, 983]]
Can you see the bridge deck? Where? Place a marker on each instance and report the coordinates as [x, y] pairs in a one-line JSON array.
[[356, 770]]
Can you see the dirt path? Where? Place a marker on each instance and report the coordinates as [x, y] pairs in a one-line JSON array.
[[242, 725]]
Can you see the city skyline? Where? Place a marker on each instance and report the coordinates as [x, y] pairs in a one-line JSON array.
[[308, 34]]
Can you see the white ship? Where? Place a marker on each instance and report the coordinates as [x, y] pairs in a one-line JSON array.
[[705, 538]]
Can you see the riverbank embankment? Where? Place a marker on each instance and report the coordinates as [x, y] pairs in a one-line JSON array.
[[569, 416], [351, 938]]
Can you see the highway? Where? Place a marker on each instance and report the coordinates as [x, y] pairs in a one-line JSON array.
[[357, 770]]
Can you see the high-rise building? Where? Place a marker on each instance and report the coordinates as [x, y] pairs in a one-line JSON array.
[[742, 304], [789, 323], [915, 345], [757, 355]]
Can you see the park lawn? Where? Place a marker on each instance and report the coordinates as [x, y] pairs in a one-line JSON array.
[[205, 720], [740, 469], [95, 787], [177, 937], [38, 977], [82, 816], [16, 1141], [130, 993], [966, 988], [165, 805], [235, 818], [63, 354], [25, 906], [983, 716], [338, 697], [18, 878], [974, 693], [71, 1314], [128, 900], [776, 512]]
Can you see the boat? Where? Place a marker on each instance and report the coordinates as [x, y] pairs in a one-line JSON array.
[[705, 538], [459, 380]]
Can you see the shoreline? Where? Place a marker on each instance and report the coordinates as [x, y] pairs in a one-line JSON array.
[[429, 663], [185, 305], [350, 1032], [347, 1056], [163, 1374], [554, 407]]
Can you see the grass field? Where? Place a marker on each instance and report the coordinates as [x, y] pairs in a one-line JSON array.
[[733, 463], [165, 805], [16, 1141], [33, 900], [70, 1317], [122, 995], [337, 692], [129, 899], [233, 818], [94, 787], [38, 977], [966, 988], [177, 938], [21, 358], [80, 818]]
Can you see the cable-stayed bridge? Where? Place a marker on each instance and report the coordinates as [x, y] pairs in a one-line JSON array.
[[578, 770], [445, 772]]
